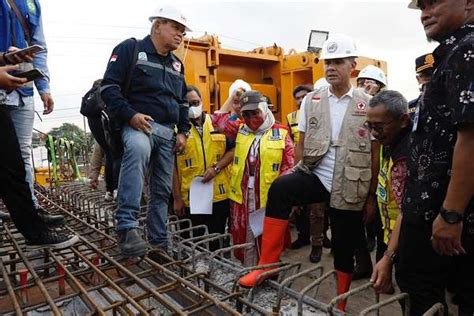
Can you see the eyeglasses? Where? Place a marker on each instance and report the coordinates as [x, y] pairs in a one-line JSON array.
[[378, 127]]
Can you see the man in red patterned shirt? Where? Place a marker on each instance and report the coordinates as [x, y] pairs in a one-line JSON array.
[[390, 124]]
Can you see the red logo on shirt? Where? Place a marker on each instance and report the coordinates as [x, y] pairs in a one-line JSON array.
[[177, 66], [113, 58], [316, 98]]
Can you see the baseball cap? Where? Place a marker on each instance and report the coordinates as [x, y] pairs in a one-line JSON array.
[[250, 100]]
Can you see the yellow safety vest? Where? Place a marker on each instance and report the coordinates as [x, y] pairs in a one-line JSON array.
[[201, 153], [271, 149], [387, 204], [293, 120]]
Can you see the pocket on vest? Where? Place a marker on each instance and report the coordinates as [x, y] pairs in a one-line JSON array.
[[359, 159], [355, 184]]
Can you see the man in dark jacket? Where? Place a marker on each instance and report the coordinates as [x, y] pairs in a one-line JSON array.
[[154, 105]]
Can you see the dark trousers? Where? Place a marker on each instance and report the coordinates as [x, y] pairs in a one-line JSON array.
[[425, 275], [304, 225], [299, 188], [216, 223], [112, 163], [14, 190]]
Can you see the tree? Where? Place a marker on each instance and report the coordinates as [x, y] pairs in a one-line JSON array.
[[73, 132]]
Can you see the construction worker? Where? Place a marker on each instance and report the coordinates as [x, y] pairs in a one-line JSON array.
[[372, 79], [436, 243], [207, 154], [337, 157], [14, 189], [309, 219], [390, 124], [299, 92], [424, 70], [156, 103], [263, 152]]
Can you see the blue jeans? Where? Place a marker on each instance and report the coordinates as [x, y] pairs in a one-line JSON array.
[[23, 116], [153, 156]]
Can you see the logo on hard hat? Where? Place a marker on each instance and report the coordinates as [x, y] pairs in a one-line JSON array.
[[332, 47], [183, 18]]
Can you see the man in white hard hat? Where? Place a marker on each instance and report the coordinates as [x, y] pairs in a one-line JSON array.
[[336, 151], [436, 243], [372, 79], [148, 109]]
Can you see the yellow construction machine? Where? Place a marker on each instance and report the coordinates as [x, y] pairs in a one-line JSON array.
[[268, 69]]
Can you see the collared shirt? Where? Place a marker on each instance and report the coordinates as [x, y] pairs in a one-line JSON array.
[[157, 86], [12, 34], [446, 103], [337, 109]]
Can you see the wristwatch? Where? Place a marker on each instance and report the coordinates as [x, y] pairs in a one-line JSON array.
[[390, 254], [217, 169], [186, 133], [450, 217]]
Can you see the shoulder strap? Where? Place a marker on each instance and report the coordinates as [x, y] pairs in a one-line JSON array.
[[22, 21], [126, 88]]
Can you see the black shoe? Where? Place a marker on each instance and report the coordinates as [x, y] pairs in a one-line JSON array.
[[327, 242], [50, 220], [5, 216], [316, 253], [51, 239], [298, 243], [131, 244], [363, 268]]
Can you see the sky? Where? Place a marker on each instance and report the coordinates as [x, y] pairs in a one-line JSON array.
[[80, 36]]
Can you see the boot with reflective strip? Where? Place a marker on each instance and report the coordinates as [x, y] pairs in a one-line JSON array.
[[273, 238]]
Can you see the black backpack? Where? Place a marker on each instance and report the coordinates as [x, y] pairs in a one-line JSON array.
[[93, 106]]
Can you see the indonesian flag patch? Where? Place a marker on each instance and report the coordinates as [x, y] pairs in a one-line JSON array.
[[177, 66], [113, 58]]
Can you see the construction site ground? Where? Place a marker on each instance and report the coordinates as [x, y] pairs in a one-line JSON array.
[[326, 293]]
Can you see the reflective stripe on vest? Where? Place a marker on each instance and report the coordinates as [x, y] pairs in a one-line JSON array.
[[271, 149], [293, 120], [387, 204], [200, 154]]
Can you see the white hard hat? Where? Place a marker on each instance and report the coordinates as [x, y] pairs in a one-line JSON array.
[[413, 4], [239, 83], [170, 13], [338, 46], [372, 72], [321, 83]]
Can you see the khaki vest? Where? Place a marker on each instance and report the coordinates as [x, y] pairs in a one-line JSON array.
[[352, 169], [272, 145], [200, 154], [293, 119]]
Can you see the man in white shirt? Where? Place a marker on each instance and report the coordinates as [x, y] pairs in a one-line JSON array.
[[335, 153]]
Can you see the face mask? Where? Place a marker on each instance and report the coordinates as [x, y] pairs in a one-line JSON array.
[[254, 122], [195, 111]]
